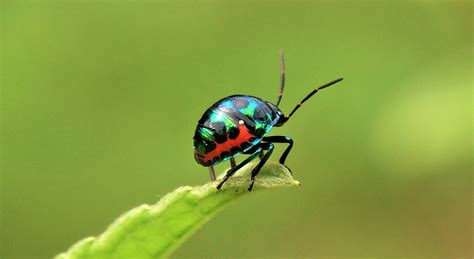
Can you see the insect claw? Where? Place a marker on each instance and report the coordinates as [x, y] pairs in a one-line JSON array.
[[251, 185]]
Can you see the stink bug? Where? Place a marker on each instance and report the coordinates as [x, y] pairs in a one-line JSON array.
[[238, 124]]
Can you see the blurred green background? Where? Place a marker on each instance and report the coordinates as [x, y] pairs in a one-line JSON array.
[[100, 100]]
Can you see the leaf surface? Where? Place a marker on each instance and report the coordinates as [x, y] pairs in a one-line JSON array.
[[152, 231]]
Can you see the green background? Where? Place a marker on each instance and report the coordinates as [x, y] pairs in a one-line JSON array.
[[100, 100]]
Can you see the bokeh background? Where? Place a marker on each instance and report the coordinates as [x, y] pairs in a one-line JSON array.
[[100, 100]]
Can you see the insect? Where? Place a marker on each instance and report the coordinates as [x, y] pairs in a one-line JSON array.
[[239, 124]]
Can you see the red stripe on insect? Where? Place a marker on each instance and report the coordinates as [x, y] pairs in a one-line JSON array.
[[243, 136]]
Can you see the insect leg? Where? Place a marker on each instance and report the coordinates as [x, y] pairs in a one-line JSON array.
[[281, 139], [256, 170], [212, 173], [240, 165], [252, 150], [232, 162]]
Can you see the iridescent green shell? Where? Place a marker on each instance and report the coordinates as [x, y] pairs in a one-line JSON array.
[[232, 126]]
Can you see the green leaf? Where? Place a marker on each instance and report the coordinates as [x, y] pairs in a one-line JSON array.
[[151, 231]]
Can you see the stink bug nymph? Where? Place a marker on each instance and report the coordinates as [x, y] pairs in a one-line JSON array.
[[239, 124]]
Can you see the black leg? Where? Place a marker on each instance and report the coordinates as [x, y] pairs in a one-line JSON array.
[[256, 170], [232, 162], [252, 150], [281, 139], [235, 169], [212, 174]]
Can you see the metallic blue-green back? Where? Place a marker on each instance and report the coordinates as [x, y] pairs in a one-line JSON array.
[[222, 123]]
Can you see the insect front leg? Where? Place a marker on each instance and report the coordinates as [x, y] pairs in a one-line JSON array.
[[281, 139]]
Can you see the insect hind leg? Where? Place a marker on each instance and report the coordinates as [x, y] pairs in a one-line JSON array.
[[212, 173], [232, 162]]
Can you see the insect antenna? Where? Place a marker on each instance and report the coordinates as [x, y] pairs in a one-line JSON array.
[[310, 95], [282, 77]]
